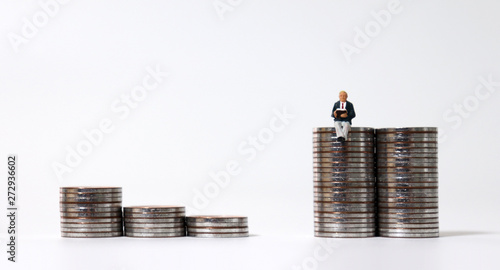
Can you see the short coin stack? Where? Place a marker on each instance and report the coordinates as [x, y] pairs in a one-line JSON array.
[[88, 212], [155, 221], [344, 183], [407, 176], [217, 226]]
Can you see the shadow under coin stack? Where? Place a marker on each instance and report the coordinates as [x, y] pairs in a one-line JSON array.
[[155, 221], [344, 183], [217, 226], [407, 175], [88, 212]]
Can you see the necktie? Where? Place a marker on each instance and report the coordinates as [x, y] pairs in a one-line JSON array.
[[342, 105]]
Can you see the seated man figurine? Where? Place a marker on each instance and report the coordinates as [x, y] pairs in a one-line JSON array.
[[343, 113]]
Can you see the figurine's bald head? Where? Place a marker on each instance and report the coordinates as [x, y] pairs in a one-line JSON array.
[[343, 96]]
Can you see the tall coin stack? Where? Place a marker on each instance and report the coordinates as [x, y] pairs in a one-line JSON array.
[[88, 212], [217, 226], [407, 175], [155, 221], [344, 183]]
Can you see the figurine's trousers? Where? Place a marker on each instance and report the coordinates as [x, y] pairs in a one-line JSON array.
[[342, 128]]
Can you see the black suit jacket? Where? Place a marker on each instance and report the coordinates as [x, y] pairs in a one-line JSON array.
[[350, 112]]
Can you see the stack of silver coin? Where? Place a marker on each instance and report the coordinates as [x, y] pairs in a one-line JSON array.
[[155, 221], [88, 212], [344, 183], [217, 226], [407, 175]]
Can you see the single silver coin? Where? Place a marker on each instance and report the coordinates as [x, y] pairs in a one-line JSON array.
[[330, 199], [343, 220], [407, 205], [368, 195], [89, 205], [90, 189], [90, 220], [96, 196], [407, 194], [408, 225], [409, 230], [408, 215], [153, 220], [343, 235], [91, 235], [408, 210], [154, 230], [408, 220], [409, 235], [338, 154], [320, 226], [385, 155], [343, 170], [344, 184], [346, 159], [217, 224], [344, 164], [344, 179], [154, 215], [216, 230], [92, 225], [431, 209], [406, 130], [414, 138], [345, 209], [154, 209], [345, 230], [342, 215], [405, 144], [407, 179], [409, 159], [216, 218], [407, 200], [410, 163], [387, 170], [91, 200], [333, 189], [317, 175], [154, 235], [411, 189], [117, 214], [155, 225], [405, 185], [93, 229], [407, 139], [90, 209], [407, 175], [217, 235], [336, 204]]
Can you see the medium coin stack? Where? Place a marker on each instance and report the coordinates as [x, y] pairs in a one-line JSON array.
[[344, 183], [217, 226], [407, 175], [88, 212], [155, 221]]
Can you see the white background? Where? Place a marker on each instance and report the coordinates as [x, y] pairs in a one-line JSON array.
[[228, 74]]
